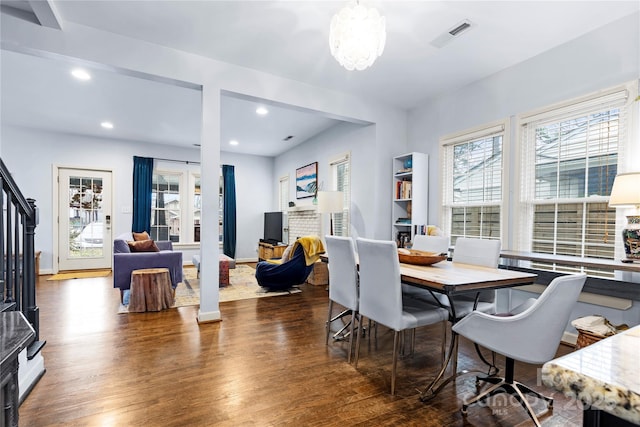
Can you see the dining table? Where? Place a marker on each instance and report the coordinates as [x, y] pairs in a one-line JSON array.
[[452, 279]]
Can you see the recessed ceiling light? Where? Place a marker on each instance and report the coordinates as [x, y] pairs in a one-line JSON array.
[[261, 111], [233, 142], [80, 74], [107, 125]]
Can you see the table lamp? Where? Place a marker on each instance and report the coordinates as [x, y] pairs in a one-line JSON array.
[[330, 202], [626, 192]]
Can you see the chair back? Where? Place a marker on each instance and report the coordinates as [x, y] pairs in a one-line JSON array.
[[437, 244], [482, 252], [343, 271], [380, 287], [533, 335], [547, 318]]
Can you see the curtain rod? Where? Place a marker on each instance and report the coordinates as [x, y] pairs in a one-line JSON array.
[[189, 162]]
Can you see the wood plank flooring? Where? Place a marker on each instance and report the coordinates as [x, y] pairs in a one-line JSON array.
[[265, 364]]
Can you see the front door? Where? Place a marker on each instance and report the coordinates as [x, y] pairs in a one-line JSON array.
[[84, 219]]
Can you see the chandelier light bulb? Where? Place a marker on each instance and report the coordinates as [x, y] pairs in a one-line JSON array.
[[357, 36]]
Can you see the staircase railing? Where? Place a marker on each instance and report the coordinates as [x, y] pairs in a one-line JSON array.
[[17, 251]]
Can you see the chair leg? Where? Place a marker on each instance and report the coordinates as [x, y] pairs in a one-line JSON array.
[[329, 322], [396, 337], [354, 317], [511, 387], [443, 350], [355, 363]]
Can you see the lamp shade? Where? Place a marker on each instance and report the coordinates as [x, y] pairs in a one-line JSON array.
[[626, 190], [330, 201]]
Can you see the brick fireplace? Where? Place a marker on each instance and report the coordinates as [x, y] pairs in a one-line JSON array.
[[303, 221]]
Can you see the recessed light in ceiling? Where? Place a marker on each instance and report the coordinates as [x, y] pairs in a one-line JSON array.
[[107, 125], [233, 142], [81, 74], [261, 111]]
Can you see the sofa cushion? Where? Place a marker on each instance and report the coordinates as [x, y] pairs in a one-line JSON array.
[[120, 247], [141, 236], [143, 246]]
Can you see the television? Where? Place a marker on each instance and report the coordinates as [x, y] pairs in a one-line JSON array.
[[273, 227]]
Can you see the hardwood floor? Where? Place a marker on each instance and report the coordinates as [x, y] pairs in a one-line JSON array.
[[265, 364]]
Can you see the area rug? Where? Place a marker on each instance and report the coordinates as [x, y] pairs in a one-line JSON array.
[[84, 274], [242, 285]]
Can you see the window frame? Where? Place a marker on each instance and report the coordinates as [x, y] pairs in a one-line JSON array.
[[187, 179], [447, 144], [334, 162], [526, 201]]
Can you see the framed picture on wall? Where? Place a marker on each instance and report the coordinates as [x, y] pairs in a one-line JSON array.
[[307, 181]]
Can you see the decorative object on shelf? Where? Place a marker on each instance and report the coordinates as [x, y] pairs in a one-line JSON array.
[[357, 36], [330, 202], [307, 181], [412, 256], [626, 192], [408, 163]]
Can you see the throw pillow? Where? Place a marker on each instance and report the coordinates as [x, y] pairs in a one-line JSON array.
[[287, 253], [141, 236], [143, 246]]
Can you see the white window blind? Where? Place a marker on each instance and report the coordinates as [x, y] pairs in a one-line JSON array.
[[569, 159], [473, 183], [340, 170]]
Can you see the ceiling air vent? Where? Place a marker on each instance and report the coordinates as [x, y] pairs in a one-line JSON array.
[[290, 137], [452, 33]]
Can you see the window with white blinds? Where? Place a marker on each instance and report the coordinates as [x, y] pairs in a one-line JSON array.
[[283, 194], [341, 177], [569, 159], [473, 183]]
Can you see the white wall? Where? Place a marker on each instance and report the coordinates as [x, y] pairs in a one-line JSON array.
[[254, 196], [44, 150], [603, 58], [359, 140]]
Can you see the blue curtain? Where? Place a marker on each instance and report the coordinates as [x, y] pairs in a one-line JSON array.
[[229, 211], [142, 186]]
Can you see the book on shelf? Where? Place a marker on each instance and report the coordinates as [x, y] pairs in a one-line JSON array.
[[403, 239], [403, 221], [403, 190]]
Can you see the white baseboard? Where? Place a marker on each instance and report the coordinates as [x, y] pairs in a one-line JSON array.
[[246, 259], [29, 372]]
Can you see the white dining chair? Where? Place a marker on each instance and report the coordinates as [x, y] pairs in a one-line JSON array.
[[343, 284], [531, 336], [381, 296], [481, 252], [436, 244]]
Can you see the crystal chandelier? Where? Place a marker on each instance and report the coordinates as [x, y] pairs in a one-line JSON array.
[[357, 36]]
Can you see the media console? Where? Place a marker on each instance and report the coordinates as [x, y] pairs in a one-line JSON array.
[[270, 250]]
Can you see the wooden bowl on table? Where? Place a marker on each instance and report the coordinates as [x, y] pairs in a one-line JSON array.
[[412, 256]]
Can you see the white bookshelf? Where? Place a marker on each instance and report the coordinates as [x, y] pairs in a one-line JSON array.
[[410, 195]]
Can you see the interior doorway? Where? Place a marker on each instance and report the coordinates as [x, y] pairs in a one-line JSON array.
[[84, 219]]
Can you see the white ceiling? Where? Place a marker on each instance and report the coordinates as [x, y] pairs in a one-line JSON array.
[[289, 39]]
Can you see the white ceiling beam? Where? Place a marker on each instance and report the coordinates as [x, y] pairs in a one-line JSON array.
[[47, 13]]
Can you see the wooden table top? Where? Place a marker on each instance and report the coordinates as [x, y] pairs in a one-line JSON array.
[[454, 278]]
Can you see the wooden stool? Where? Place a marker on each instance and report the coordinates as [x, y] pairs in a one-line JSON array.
[[150, 290]]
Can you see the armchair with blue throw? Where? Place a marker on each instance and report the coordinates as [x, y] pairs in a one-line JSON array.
[[293, 268]]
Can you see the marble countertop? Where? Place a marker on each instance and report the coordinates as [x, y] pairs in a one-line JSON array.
[[604, 375], [15, 334]]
